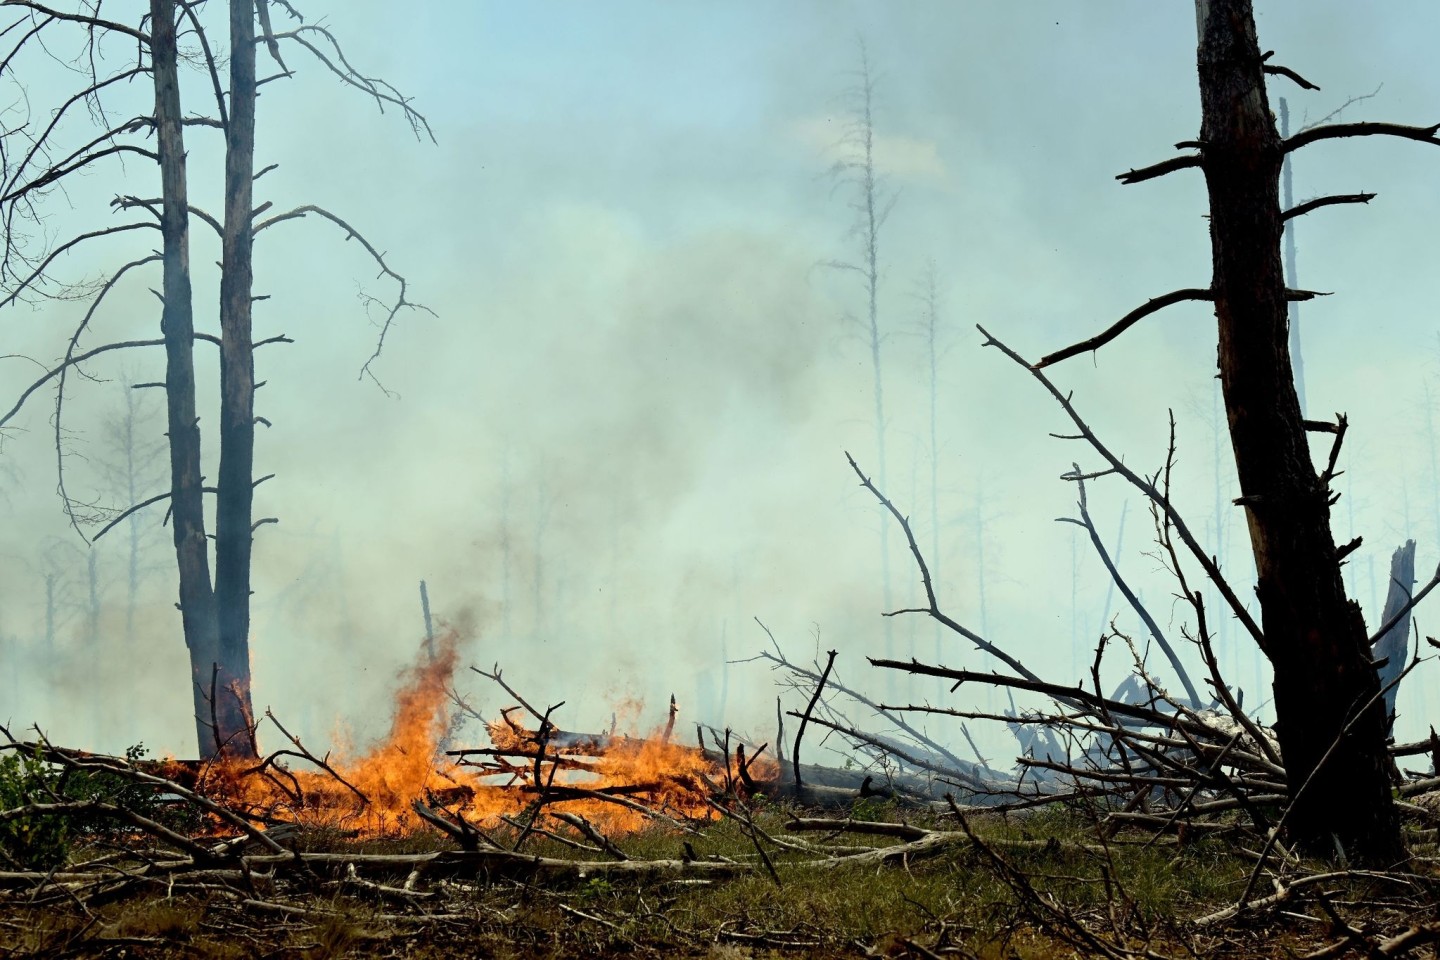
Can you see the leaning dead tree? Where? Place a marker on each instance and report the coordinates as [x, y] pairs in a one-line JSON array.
[[1326, 763], [1331, 716], [43, 160]]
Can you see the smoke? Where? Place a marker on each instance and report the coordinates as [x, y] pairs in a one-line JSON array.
[[621, 436]]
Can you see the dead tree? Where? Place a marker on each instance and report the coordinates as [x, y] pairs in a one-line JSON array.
[[932, 325], [857, 168], [1327, 760], [215, 613], [1331, 714], [129, 463]]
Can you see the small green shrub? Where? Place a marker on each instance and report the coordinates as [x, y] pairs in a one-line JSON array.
[[139, 798], [39, 841], [33, 841], [873, 809]]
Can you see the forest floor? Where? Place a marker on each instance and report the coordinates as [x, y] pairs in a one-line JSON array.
[[1038, 887]]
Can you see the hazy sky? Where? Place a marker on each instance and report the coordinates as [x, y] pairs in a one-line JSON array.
[[642, 375]]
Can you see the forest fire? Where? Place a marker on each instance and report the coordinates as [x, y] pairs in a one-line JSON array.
[[616, 782]]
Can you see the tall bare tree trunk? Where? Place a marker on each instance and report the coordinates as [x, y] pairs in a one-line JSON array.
[[233, 512], [1331, 718], [429, 624], [871, 268], [932, 329], [177, 323]]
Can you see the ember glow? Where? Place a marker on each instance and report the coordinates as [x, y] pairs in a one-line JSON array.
[[618, 782]]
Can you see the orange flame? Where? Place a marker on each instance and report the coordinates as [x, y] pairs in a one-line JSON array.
[[618, 783]]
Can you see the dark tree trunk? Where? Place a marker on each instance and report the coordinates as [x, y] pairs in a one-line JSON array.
[[177, 323], [429, 624], [1326, 690], [233, 532]]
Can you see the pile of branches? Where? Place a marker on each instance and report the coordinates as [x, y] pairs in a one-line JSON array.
[[85, 831], [1181, 761]]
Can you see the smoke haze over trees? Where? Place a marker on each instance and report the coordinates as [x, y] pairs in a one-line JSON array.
[[628, 412]]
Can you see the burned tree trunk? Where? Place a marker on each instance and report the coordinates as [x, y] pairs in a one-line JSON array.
[[1331, 718], [177, 323], [1392, 648], [215, 613], [234, 505]]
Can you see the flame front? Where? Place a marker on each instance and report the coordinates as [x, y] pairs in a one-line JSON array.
[[618, 783]]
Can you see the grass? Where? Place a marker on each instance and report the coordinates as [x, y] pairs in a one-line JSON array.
[[954, 902]]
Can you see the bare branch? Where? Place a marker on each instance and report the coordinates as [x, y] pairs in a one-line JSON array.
[[1125, 322], [52, 374], [58, 419], [934, 606], [210, 64], [127, 202], [1301, 209], [1208, 564], [805, 719], [382, 91], [110, 25], [136, 508], [1125, 590], [39, 271], [1342, 423], [1160, 169], [1405, 610], [267, 33], [1351, 101], [1289, 74], [393, 308], [76, 161], [42, 140], [1363, 129]]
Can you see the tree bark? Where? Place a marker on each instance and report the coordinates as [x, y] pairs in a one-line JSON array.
[[1393, 646], [235, 498], [177, 323], [1331, 718]]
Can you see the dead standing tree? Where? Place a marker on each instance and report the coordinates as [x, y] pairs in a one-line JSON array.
[[1331, 715], [856, 168], [130, 462], [215, 615], [932, 328]]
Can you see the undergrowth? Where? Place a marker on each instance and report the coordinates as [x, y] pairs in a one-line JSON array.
[[955, 903]]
